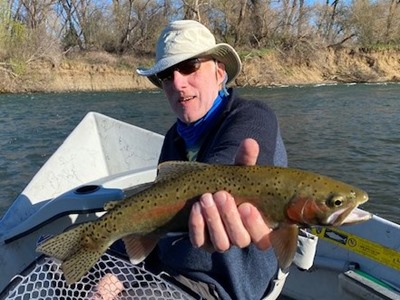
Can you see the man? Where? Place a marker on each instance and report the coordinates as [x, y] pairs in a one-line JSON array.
[[227, 254]]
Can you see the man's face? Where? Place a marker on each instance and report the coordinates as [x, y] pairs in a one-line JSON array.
[[192, 86]]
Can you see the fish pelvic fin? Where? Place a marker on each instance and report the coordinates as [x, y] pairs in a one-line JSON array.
[[139, 247], [284, 242], [77, 251]]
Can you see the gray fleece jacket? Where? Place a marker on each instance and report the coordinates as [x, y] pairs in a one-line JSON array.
[[238, 273]]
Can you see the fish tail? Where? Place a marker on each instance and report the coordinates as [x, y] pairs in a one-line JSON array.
[[77, 250], [79, 264]]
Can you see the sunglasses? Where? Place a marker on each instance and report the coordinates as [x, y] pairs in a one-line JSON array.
[[186, 67]]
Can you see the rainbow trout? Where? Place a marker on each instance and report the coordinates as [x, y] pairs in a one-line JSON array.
[[287, 198]]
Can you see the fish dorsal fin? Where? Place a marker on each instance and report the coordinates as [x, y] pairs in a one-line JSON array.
[[139, 247], [174, 169], [284, 242]]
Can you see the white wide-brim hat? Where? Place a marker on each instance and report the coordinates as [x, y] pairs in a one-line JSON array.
[[185, 39]]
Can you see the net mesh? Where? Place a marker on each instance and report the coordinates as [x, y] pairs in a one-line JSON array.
[[111, 278]]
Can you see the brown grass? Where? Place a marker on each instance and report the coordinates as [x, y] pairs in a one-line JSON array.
[[100, 71]]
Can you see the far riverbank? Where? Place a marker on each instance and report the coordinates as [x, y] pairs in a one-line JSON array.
[[95, 71]]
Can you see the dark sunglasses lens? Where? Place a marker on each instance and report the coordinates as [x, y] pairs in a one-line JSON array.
[[166, 74], [187, 67]]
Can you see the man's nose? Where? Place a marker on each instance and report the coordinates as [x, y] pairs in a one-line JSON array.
[[179, 80]]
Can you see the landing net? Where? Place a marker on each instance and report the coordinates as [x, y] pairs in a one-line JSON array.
[[110, 279]]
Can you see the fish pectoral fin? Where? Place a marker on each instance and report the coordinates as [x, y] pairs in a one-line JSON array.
[[284, 242], [139, 247]]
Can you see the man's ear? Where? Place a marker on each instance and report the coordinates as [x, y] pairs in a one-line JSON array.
[[220, 72]]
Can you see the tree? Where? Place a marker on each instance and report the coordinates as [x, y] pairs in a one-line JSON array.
[[391, 34]]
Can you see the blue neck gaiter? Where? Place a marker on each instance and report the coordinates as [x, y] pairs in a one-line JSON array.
[[193, 133]]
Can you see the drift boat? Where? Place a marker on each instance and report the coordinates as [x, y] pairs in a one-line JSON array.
[[104, 159]]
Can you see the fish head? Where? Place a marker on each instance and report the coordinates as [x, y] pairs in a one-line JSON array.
[[328, 203]]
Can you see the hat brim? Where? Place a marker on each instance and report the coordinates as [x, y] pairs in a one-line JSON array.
[[222, 52]]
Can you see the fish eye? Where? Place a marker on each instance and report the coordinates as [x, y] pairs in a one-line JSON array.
[[335, 201]]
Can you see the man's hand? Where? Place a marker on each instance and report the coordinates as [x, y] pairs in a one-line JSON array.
[[216, 223]]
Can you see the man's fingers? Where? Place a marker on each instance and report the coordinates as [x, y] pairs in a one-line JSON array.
[[247, 153], [216, 219], [215, 226], [255, 225], [216, 223], [197, 227], [231, 219]]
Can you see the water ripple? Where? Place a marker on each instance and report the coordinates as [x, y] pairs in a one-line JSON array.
[[348, 132]]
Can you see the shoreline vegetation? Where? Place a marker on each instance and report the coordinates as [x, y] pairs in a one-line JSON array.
[[96, 45], [102, 71]]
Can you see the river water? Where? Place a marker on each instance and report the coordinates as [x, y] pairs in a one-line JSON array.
[[349, 132]]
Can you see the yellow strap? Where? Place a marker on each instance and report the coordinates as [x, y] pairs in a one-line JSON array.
[[364, 247]]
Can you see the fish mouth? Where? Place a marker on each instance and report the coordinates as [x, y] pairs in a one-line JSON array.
[[351, 214], [357, 215], [348, 216]]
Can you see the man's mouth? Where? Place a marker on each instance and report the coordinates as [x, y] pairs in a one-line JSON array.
[[185, 99]]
